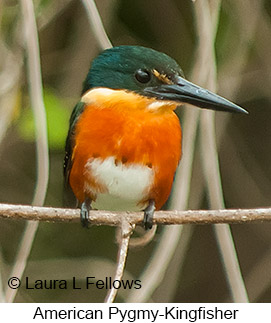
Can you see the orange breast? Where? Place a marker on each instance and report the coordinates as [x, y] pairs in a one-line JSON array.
[[132, 134]]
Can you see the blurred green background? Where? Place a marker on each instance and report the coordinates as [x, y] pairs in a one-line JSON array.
[[67, 46]]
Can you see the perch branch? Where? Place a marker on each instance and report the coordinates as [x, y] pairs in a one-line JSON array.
[[50, 214]]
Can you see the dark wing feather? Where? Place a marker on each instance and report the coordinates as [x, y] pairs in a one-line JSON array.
[[69, 198]]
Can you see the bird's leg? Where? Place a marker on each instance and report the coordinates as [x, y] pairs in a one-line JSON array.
[[148, 215], [84, 213]]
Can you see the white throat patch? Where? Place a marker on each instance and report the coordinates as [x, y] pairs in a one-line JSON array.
[[126, 185]]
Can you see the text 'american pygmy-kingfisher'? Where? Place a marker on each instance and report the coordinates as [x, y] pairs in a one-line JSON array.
[[124, 140]]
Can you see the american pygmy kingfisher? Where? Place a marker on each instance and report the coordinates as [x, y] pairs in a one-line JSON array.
[[124, 140]]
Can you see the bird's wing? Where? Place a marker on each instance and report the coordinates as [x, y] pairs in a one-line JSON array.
[[69, 199]]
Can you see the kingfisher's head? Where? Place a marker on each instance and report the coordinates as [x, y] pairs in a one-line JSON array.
[[152, 74]]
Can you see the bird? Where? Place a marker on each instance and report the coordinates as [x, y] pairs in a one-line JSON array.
[[124, 141]]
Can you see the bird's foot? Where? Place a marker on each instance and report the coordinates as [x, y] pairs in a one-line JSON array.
[[148, 215], [84, 213]]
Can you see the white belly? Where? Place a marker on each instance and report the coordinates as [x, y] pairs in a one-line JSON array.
[[126, 185]]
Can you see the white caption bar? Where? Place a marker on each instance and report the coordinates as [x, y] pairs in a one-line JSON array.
[[127, 313]]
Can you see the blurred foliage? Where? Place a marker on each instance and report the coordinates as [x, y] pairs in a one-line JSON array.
[[67, 47], [57, 121]]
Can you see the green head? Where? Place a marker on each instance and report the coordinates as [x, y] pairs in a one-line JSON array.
[[150, 73], [121, 67]]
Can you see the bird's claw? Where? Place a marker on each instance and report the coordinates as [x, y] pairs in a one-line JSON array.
[[84, 213], [148, 215]]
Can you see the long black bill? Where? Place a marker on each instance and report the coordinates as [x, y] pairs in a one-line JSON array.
[[184, 91]]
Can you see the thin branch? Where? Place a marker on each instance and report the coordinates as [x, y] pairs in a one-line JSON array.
[[126, 231], [96, 24], [22, 257], [50, 214], [36, 96], [231, 263], [247, 26], [211, 163]]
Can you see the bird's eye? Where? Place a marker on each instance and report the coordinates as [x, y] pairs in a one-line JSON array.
[[143, 76]]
